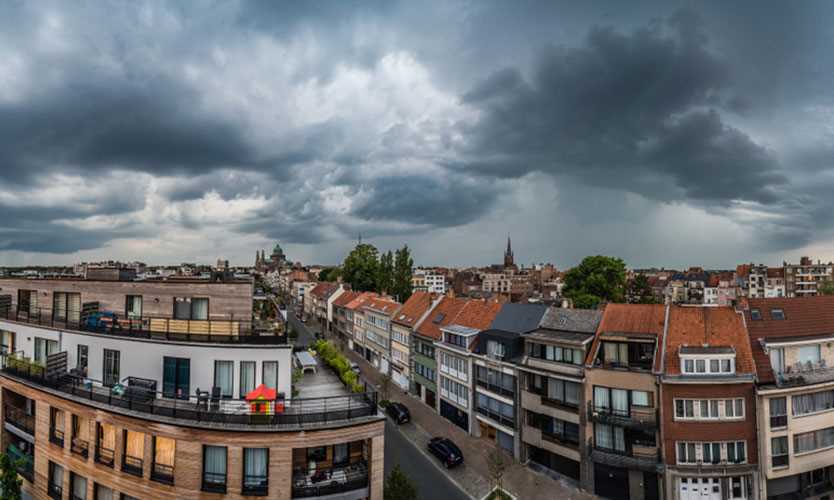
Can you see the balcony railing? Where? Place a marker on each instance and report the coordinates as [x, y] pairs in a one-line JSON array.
[[162, 473], [19, 418], [497, 389], [150, 327], [628, 459], [214, 482], [330, 481], [497, 417], [634, 417], [25, 463], [255, 485], [80, 447], [561, 439], [777, 421], [105, 456], [132, 465], [780, 460], [56, 436], [55, 491], [300, 412]]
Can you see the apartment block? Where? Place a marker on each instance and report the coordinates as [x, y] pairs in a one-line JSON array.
[[805, 278]]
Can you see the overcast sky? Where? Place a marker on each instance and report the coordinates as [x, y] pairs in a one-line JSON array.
[[669, 134]]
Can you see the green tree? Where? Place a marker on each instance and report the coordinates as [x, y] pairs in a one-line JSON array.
[[596, 279], [826, 287], [398, 486], [9, 480], [360, 268], [385, 273], [639, 290], [403, 266], [330, 274]]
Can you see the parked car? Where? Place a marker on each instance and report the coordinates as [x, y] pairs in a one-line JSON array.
[[446, 451], [399, 412]]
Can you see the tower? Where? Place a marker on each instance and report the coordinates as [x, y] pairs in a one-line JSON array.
[[508, 254]]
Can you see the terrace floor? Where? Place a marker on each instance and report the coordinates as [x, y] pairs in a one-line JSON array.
[[324, 383]]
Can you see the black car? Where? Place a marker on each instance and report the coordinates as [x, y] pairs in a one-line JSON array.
[[446, 451], [399, 412]]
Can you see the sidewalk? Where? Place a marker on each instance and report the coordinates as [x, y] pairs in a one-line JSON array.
[[473, 476]]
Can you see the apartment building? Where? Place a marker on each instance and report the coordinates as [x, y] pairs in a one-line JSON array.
[[378, 312], [342, 323], [323, 296], [423, 355], [552, 402], [792, 342], [805, 278], [620, 386], [426, 280], [402, 325], [708, 406], [127, 398], [766, 282]]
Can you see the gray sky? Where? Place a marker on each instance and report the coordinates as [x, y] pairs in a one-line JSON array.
[[669, 134]]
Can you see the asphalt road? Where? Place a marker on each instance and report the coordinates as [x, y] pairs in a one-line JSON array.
[[305, 336], [431, 483]]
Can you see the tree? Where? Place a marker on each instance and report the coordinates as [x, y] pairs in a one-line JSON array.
[[403, 266], [826, 287], [330, 274], [639, 290], [9, 480], [596, 279], [497, 464], [398, 486], [385, 273], [360, 268]]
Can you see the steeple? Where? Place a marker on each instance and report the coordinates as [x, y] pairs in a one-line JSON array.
[[509, 259]]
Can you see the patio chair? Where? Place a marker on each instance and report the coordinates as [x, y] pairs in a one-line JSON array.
[[202, 398], [215, 398]]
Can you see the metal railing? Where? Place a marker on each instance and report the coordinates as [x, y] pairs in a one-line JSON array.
[[624, 458], [162, 473], [105, 456], [255, 485], [149, 327], [56, 436], [132, 465], [330, 481], [497, 389], [299, 412], [496, 416], [634, 417], [19, 418], [80, 447], [214, 482]]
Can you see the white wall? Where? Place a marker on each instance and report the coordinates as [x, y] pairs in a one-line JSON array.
[[143, 358]]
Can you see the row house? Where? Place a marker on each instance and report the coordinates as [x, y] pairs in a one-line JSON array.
[[377, 313], [552, 402], [793, 346], [342, 326], [708, 406], [323, 296], [415, 309]]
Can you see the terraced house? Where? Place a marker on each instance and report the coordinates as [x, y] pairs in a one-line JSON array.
[[404, 320], [424, 358], [378, 312], [165, 390]]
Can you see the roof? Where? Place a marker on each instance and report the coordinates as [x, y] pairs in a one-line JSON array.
[[413, 309], [519, 318], [644, 320], [381, 305], [345, 298], [476, 314], [460, 329], [324, 289], [707, 330], [805, 318], [359, 300], [583, 321], [714, 280]]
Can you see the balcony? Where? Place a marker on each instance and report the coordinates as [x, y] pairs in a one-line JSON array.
[[132, 465], [214, 482], [330, 481], [56, 437], [295, 413], [639, 458], [255, 485], [25, 463], [80, 447], [105, 456], [496, 417], [635, 417], [151, 327], [162, 473], [777, 461], [19, 418], [496, 389]]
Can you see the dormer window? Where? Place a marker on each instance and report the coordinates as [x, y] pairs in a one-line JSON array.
[[777, 314], [704, 365], [755, 314]]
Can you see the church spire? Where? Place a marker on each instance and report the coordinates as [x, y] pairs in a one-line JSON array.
[[509, 259]]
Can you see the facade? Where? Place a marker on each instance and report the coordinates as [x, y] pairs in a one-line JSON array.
[[803, 279], [708, 406], [342, 325], [552, 396], [378, 312], [423, 355], [623, 452], [427, 280], [409, 315], [99, 407], [792, 346], [323, 295]]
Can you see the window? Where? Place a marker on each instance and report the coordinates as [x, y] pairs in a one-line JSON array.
[[224, 377], [814, 440], [164, 450], [56, 426], [556, 390], [133, 306], [778, 412], [103, 492], [6, 342], [214, 469], [736, 452], [341, 454], [711, 452], [777, 359], [496, 349], [56, 481], [708, 366], [176, 377], [105, 443], [78, 486], [809, 354], [134, 452], [454, 391], [804, 404], [82, 358], [255, 471], [247, 377], [110, 376], [686, 453], [779, 451], [66, 307], [496, 410], [609, 437], [755, 314], [317, 454], [43, 348], [709, 409], [270, 374], [777, 314], [640, 398], [191, 308]]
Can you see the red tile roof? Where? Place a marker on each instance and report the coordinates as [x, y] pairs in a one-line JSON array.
[[382, 305], [646, 319], [806, 317], [360, 300], [707, 326], [324, 289], [443, 315], [413, 309], [345, 298]]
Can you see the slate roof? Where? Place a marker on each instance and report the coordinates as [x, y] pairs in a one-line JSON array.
[[571, 320], [805, 318], [519, 318], [707, 330], [413, 309]]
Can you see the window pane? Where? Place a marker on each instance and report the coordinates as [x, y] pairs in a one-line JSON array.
[[270, 374], [215, 462], [247, 377], [199, 309], [224, 377], [255, 460]]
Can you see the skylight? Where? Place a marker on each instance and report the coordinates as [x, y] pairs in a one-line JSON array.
[[755, 314], [777, 314], [437, 319]]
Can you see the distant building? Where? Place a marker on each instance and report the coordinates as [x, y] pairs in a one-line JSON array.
[[803, 279]]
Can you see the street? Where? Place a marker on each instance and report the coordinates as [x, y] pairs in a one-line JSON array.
[[431, 481]]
